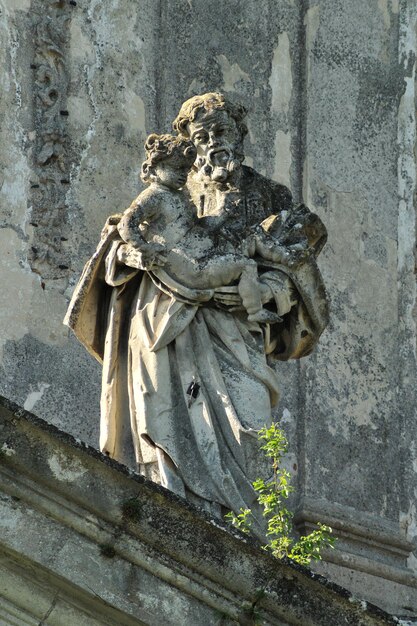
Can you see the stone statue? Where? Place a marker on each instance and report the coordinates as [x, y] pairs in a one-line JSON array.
[[206, 277]]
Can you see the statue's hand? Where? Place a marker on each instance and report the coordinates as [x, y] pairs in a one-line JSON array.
[[229, 296], [149, 256]]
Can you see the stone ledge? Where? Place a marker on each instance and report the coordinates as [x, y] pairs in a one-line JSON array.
[[375, 544], [61, 508], [30, 594], [370, 529], [370, 551]]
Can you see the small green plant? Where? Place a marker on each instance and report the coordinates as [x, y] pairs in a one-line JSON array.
[[271, 496]]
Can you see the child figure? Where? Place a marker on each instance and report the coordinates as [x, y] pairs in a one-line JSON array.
[[162, 223]]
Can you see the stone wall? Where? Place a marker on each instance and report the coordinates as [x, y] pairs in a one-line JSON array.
[[330, 89]]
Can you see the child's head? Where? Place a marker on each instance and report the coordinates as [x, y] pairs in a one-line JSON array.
[[168, 160]]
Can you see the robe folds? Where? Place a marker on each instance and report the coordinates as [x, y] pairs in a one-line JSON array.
[[186, 375]]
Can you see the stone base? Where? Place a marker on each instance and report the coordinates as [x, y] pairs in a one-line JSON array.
[[83, 540]]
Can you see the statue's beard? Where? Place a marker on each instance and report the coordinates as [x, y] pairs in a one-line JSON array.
[[218, 165]]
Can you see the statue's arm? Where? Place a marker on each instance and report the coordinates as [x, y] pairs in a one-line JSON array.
[[135, 251]]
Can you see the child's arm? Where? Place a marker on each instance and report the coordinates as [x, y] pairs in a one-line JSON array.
[[133, 219], [138, 252]]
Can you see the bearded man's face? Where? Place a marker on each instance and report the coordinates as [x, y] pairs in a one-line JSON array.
[[218, 142]]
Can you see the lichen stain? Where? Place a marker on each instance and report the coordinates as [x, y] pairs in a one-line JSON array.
[[311, 22], [280, 79], [84, 50], [282, 163], [79, 112], [232, 73], [134, 110], [196, 86], [35, 396], [383, 7], [65, 469]]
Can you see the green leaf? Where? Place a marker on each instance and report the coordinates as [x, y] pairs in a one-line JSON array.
[[271, 493]]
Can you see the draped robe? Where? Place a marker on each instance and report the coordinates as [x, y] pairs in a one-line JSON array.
[[156, 337]]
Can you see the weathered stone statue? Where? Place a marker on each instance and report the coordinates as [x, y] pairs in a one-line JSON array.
[[209, 273]]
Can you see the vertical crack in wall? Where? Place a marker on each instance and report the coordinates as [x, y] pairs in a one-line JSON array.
[[300, 100], [299, 152], [47, 254]]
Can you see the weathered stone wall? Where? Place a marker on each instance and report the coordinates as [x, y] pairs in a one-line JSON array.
[[358, 418], [330, 89]]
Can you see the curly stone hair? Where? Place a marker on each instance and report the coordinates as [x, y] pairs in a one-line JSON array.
[[161, 147], [209, 102]]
